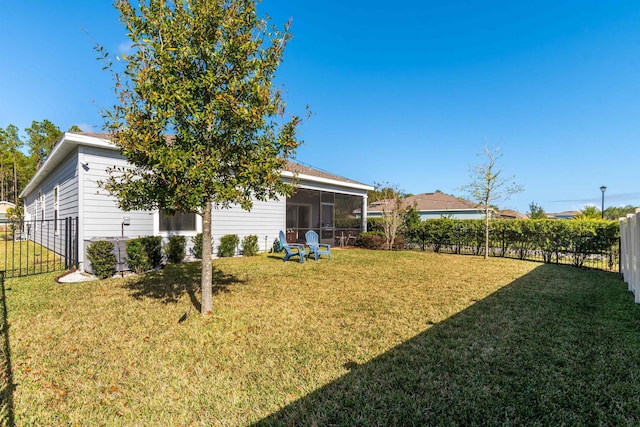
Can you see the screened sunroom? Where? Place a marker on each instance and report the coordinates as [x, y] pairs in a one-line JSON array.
[[330, 214]]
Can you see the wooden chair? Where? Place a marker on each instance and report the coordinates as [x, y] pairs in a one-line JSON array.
[[315, 247], [292, 249]]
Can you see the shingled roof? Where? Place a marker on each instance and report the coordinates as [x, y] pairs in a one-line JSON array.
[[293, 167], [431, 202]]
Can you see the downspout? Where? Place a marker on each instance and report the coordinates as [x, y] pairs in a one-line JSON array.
[[364, 213], [80, 200]]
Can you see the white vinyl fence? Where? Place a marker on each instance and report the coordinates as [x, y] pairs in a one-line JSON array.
[[630, 252]]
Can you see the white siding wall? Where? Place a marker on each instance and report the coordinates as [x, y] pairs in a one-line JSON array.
[[65, 177], [101, 216], [266, 219]]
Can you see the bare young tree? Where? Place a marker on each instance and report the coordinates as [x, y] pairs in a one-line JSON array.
[[489, 185], [391, 201]]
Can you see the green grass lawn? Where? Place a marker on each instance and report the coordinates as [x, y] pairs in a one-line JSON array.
[[27, 257], [369, 338]]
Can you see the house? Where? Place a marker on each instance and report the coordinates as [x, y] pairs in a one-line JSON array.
[[4, 207], [66, 186], [434, 205], [510, 214]]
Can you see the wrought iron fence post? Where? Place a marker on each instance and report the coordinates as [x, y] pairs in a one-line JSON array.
[[7, 384]]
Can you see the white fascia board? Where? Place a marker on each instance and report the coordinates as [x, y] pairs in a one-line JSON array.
[[328, 181], [67, 143], [440, 210]]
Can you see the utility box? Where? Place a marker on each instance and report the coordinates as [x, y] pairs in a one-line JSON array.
[[119, 250]]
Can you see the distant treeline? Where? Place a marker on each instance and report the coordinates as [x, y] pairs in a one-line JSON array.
[[16, 167]]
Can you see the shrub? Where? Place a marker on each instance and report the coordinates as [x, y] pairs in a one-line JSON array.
[[176, 249], [371, 240], [102, 258], [375, 224], [250, 245], [144, 253], [197, 245], [137, 256], [399, 243], [153, 248], [228, 245]]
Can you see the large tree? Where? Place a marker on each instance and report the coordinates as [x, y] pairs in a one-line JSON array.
[[11, 144], [589, 212], [42, 136], [489, 185], [536, 212], [202, 71]]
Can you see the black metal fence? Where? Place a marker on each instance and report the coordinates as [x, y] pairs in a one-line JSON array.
[[579, 251], [6, 377], [38, 246]]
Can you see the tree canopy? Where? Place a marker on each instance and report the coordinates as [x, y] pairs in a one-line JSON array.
[[536, 212], [21, 157], [201, 71], [42, 137]]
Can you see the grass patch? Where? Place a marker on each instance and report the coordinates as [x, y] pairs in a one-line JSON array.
[[370, 338], [27, 257]]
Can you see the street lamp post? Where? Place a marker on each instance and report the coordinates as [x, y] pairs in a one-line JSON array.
[[603, 189]]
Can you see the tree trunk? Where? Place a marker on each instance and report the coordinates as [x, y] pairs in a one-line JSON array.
[[486, 230], [206, 276], [15, 181], [2, 181]]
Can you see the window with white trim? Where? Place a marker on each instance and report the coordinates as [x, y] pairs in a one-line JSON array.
[[56, 204], [177, 222], [42, 211]]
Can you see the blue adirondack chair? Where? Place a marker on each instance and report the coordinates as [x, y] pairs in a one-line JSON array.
[[292, 249], [315, 247]]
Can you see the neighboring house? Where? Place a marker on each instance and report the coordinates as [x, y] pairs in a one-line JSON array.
[[67, 186], [4, 207], [434, 205], [510, 214], [563, 215]]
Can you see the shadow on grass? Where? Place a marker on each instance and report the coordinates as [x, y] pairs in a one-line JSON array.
[[6, 379], [176, 280], [557, 346]]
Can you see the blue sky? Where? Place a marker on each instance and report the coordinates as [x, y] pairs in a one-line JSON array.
[[406, 92]]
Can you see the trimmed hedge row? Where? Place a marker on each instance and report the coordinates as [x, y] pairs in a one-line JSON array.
[[228, 245], [550, 238]]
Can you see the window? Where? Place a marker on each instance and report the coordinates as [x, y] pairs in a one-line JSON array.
[[177, 222], [56, 201], [41, 207], [39, 211]]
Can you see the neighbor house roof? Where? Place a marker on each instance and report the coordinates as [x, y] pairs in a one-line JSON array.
[[70, 140], [4, 205], [511, 214], [426, 202]]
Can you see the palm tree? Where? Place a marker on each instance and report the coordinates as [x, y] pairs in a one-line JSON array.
[[589, 212]]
